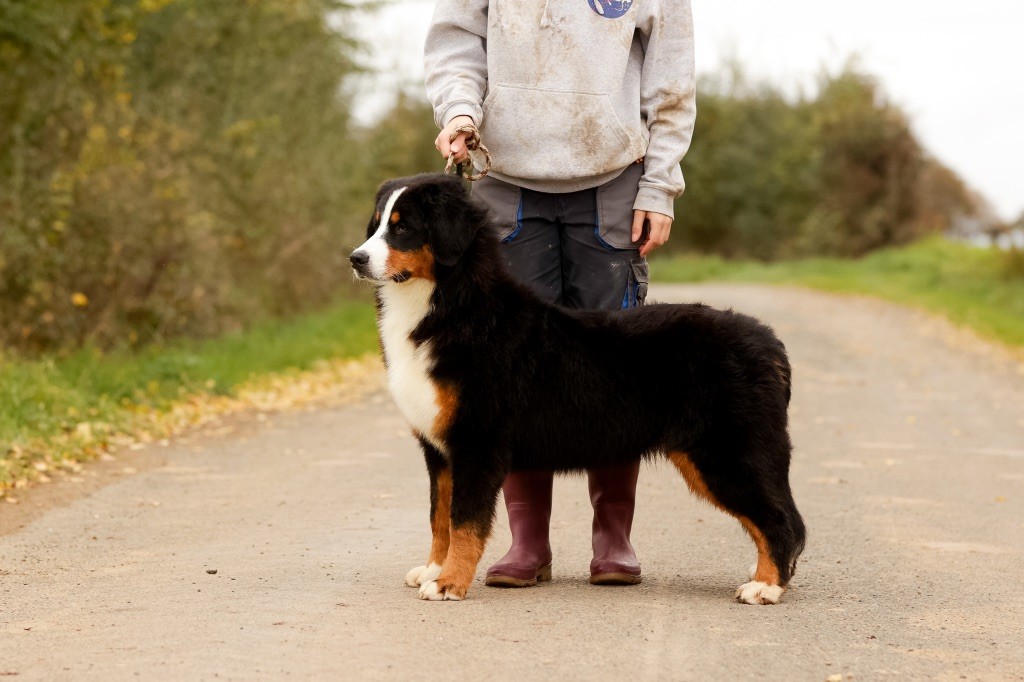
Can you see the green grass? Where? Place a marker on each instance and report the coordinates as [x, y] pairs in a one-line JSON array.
[[968, 285], [42, 399]]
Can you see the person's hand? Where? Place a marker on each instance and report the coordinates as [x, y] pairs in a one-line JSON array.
[[661, 226], [456, 146]]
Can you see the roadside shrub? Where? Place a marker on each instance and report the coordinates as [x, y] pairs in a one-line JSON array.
[[169, 167], [840, 173]]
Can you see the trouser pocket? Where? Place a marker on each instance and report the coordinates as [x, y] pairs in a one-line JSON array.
[[504, 204], [615, 208], [640, 280]]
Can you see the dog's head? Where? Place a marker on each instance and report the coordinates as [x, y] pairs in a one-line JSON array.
[[419, 224]]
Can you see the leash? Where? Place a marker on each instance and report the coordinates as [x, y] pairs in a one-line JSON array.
[[473, 144]]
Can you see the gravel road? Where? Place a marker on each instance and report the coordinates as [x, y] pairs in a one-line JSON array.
[[909, 470]]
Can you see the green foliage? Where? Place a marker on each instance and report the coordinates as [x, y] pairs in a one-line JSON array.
[[169, 167], [840, 173], [1013, 264], [963, 283], [402, 143], [40, 399]]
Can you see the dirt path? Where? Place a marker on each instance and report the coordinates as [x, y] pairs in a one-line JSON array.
[[909, 470]]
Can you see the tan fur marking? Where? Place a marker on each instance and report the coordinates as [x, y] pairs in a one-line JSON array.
[[441, 521], [394, 217], [693, 478], [464, 552], [376, 216], [766, 571], [418, 263], [447, 402]]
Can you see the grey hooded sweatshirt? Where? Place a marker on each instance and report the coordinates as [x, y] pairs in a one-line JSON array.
[[568, 93]]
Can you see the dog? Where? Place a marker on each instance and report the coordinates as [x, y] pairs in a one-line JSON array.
[[491, 380]]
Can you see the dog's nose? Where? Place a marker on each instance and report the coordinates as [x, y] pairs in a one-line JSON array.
[[359, 258]]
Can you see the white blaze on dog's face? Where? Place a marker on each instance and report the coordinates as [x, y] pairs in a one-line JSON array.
[[376, 247], [398, 258], [397, 248]]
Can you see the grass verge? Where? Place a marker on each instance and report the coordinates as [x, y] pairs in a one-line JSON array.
[[969, 286], [58, 412]]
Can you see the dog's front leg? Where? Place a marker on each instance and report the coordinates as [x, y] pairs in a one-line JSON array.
[[440, 516], [475, 489]]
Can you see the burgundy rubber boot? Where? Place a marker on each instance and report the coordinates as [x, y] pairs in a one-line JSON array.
[[613, 494], [528, 561]]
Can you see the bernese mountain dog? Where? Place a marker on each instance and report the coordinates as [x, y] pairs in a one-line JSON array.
[[491, 380]]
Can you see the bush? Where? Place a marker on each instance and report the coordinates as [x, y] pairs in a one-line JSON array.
[[837, 174], [169, 167]]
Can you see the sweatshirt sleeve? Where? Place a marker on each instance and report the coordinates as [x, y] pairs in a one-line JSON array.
[[455, 59], [667, 100]]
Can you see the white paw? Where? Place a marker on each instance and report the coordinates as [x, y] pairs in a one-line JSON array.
[[422, 574], [756, 592], [430, 592]]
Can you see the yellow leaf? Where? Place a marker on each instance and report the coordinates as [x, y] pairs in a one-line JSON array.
[[79, 299]]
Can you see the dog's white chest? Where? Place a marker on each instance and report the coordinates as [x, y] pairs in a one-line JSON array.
[[403, 306]]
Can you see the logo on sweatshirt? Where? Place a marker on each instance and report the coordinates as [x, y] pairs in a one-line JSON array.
[[610, 9]]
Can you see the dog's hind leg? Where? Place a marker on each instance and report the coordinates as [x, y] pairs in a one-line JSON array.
[[473, 498], [766, 510], [440, 515]]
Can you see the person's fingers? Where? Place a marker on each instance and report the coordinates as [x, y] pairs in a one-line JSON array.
[[657, 239], [447, 146], [442, 144], [458, 147], [638, 225], [661, 227]]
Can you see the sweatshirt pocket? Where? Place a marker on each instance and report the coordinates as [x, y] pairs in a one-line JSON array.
[[553, 135]]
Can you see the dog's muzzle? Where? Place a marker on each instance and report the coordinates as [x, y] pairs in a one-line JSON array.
[[360, 263]]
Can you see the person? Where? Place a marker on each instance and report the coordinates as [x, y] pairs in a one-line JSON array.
[[587, 107]]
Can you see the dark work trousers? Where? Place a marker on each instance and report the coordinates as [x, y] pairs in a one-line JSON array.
[[573, 249]]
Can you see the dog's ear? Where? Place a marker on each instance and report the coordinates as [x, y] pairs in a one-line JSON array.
[[453, 219]]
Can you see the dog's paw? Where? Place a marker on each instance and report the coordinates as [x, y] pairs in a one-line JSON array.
[[756, 592], [422, 574], [752, 572], [432, 592]]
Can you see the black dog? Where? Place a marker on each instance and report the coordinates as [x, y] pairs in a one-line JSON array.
[[493, 380]]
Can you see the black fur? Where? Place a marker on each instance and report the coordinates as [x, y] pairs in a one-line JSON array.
[[541, 387]]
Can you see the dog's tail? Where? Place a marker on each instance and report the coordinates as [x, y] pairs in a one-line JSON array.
[[783, 370], [786, 371]]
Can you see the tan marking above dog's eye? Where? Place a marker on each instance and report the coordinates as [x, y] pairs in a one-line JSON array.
[[376, 216], [394, 217]]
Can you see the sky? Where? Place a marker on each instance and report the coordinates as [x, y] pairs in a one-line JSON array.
[[957, 68]]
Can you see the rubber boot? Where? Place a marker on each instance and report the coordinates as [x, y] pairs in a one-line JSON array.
[[528, 501], [613, 494]]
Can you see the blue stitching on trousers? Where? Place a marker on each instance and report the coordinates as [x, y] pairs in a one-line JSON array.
[[519, 221], [602, 242]]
